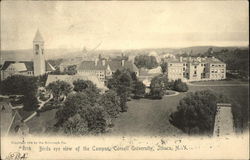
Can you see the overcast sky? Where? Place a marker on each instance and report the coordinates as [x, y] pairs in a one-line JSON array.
[[124, 25]]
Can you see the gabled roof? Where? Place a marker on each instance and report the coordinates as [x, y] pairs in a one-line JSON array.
[[38, 37], [28, 64], [19, 66], [115, 65], [90, 65]]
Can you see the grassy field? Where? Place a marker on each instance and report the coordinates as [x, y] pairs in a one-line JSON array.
[[39, 123], [220, 82], [147, 117], [151, 117]]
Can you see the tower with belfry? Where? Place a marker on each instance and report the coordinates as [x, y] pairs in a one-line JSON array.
[[38, 55]]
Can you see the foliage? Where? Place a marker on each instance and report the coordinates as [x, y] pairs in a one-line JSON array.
[[180, 86], [42, 80], [196, 112], [159, 84], [95, 116], [59, 88], [71, 70], [21, 85], [146, 61], [75, 125], [90, 113], [87, 87], [111, 103], [164, 66], [156, 88], [139, 89], [121, 82]]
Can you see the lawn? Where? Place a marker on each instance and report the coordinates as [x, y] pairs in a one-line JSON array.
[[221, 82], [39, 123], [147, 118], [151, 117]]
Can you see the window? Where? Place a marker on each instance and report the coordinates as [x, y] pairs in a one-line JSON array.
[[195, 72], [37, 48], [170, 64], [195, 67], [183, 69]]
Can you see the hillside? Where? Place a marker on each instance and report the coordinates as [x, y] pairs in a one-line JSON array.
[[69, 53]]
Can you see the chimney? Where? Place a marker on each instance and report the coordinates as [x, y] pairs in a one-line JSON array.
[[103, 62], [123, 61], [181, 59], [96, 61]]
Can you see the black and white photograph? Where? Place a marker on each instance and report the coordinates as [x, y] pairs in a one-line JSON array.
[[124, 79]]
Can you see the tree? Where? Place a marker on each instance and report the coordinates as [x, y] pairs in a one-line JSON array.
[[146, 61], [75, 125], [156, 89], [91, 115], [59, 88], [71, 70], [96, 118], [21, 85], [88, 87], [164, 67], [196, 112], [180, 86], [121, 82], [139, 89], [111, 103], [73, 104]]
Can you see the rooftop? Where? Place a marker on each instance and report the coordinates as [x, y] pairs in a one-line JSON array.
[[38, 37], [194, 60]]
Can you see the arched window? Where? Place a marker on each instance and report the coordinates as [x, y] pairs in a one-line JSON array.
[[37, 48]]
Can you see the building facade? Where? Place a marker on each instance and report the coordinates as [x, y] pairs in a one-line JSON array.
[[103, 68], [195, 69], [37, 67]]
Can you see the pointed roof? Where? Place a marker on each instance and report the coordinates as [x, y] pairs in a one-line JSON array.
[[38, 37]]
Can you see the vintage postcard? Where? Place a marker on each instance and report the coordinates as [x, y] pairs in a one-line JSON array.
[[124, 80]]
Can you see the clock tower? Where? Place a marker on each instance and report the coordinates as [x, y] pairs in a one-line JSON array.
[[38, 55]]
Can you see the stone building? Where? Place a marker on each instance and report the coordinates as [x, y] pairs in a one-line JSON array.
[[103, 68], [195, 69]]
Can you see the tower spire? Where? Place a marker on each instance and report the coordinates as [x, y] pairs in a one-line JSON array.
[[38, 37]]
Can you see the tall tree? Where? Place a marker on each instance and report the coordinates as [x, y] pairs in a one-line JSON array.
[[146, 61], [111, 103], [164, 67], [196, 112]]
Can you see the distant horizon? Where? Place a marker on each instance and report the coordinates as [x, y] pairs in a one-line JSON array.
[[181, 47]]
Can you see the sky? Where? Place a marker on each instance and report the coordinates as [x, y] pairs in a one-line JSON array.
[[124, 24]]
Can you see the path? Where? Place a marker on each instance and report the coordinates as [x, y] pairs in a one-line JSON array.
[[223, 121], [41, 105]]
